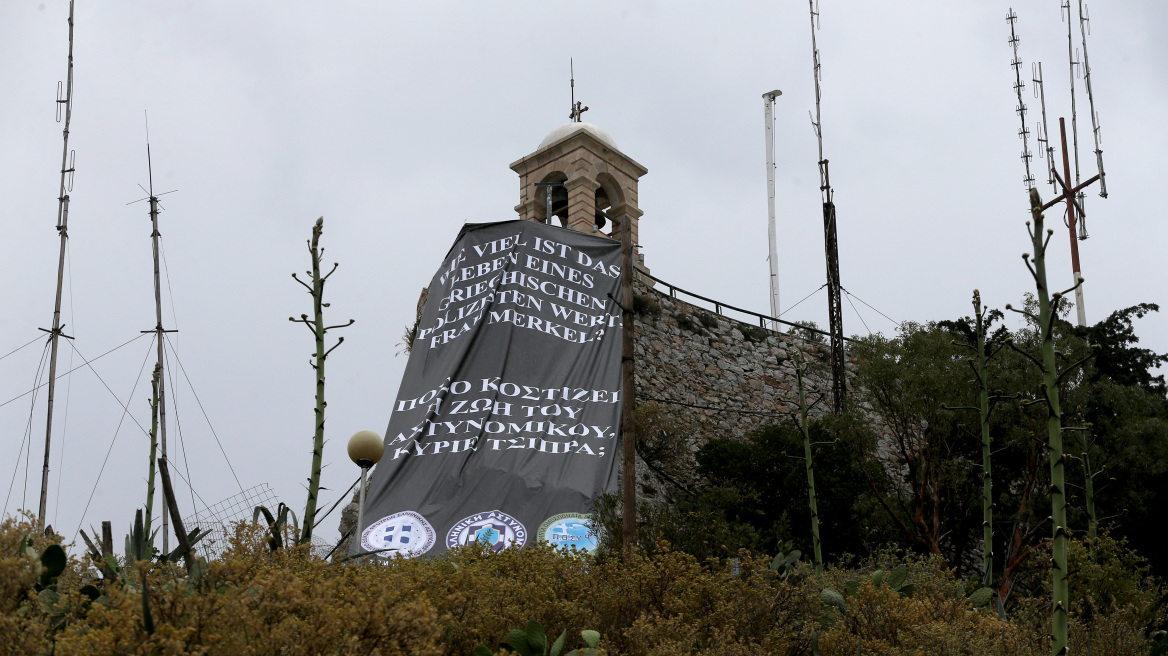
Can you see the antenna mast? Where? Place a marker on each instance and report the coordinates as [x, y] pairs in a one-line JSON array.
[[64, 97], [1084, 30], [834, 307], [160, 333], [773, 256], [1019, 85], [577, 110], [1069, 191], [1071, 71], [1042, 128]]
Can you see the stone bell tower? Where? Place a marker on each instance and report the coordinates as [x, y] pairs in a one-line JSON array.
[[578, 179]]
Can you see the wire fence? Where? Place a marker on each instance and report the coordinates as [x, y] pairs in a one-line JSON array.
[[219, 519]]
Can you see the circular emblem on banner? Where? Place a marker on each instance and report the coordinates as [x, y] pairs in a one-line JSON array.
[[496, 529], [569, 531], [406, 534]]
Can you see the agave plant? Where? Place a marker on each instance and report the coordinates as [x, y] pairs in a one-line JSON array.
[[532, 641]]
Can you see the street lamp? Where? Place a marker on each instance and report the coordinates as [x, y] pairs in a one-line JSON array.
[[365, 449]]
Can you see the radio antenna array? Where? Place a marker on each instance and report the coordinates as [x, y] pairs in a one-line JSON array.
[[1067, 188], [65, 99], [1042, 129], [1019, 85], [1072, 72], [830, 242], [1084, 30]]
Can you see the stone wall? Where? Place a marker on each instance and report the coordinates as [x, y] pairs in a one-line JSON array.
[[692, 355], [713, 376]]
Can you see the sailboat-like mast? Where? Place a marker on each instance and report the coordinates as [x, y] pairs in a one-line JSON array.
[[63, 231], [160, 337]]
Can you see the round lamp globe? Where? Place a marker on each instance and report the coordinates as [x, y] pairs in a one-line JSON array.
[[366, 448]]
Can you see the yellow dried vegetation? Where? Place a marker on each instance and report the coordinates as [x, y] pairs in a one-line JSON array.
[[254, 601]]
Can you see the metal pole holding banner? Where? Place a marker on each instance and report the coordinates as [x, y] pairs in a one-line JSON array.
[[628, 387]]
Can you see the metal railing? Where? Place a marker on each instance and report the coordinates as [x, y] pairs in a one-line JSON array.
[[719, 306]]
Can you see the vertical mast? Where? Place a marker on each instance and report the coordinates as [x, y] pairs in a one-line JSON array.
[[830, 243], [1019, 85], [773, 256], [1074, 116], [160, 335], [1043, 126], [1084, 29], [63, 231], [1070, 195]]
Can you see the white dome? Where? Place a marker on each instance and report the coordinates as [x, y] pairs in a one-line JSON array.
[[569, 128]]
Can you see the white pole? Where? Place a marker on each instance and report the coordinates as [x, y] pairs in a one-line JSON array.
[[773, 257]]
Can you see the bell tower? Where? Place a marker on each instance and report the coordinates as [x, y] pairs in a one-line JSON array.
[[577, 178]]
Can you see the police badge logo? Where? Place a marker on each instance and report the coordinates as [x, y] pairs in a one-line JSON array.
[[406, 534], [569, 531], [495, 529]]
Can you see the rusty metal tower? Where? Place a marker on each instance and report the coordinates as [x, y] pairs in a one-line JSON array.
[[830, 243]]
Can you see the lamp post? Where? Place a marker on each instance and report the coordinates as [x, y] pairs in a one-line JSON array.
[[365, 449]]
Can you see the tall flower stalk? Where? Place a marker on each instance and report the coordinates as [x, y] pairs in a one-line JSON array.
[[319, 329], [1051, 377]]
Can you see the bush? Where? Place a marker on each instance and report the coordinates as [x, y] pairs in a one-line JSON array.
[[646, 305], [685, 323], [752, 334], [666, 603]]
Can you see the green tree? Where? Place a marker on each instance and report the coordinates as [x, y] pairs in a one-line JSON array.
[[768, 468]]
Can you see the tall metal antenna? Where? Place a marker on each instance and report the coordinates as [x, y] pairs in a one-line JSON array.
[[773, 255], [1084, 30], [1019, 85], [1043, 128], [834, 300], [577, 110], [1073, 65], [1067, 190], [68, 159], [159, 331]]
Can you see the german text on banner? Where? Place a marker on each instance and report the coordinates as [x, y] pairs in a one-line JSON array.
[[507, 421]]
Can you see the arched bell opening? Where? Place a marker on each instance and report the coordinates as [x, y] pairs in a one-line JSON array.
[[608, 193], [553, 199], [602, 205]]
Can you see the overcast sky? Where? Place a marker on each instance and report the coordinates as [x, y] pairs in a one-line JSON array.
[[397, 122]]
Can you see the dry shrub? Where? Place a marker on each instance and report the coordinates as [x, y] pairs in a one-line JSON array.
[[934, 620], [22, 626], [253, 601]]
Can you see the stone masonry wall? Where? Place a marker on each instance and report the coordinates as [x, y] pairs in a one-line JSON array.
[[690, 354], [741, 375]]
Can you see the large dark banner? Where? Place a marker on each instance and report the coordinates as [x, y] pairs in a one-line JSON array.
[[507, 420]]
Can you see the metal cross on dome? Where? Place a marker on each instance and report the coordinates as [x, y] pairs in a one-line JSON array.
[[577, 107], [577, 110]]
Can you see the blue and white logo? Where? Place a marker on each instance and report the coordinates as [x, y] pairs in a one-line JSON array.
[[406, 534], [569, 531], [496, 529]]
